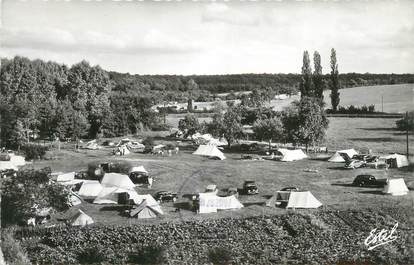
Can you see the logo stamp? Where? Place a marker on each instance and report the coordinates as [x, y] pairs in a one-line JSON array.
[[377, 238]]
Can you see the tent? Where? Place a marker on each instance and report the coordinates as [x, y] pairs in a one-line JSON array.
[[145, 210], [93, 145], [210, 203], [210, 151], [111, 195], [117, 180], [65, 177], [337, 158], [302, 199], [139, 169], [81, 219], [396, 160], [291, 155], [14, 162], [395, 187], [217, 142], [122, 150], [74, 199], [90, 189]]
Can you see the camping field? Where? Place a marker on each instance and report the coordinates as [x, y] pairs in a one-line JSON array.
[[255, 234]]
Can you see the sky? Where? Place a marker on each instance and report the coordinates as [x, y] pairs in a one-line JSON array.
[[206, 37]]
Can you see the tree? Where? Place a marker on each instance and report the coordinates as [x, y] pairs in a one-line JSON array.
[[268, 129], [306, 84], [334, 84], [305, 122], [406, 123], [191, 87], [28, 191], [318, 83], [189, 125], [232, 127]]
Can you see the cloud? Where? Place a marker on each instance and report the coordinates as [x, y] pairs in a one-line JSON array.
[[219, 12], [148, 41]]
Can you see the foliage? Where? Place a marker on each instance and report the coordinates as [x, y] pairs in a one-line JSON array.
[[305, 122], [149, 144], [28, 191], [306, 84], [406, 123], [227, 125], [334, 81], [249, 115], [91, 255], [152, 255], [257, 98], [189, 125], [268, 129], [34, 151], [220, 256], [353, 110], [13, 253], [317, 76]]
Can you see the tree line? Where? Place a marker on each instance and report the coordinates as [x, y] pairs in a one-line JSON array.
[[51, 100]]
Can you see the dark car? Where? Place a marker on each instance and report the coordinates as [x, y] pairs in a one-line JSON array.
[[233, 191], [290, 189], [166, 196], [368, 181], [250, 188]]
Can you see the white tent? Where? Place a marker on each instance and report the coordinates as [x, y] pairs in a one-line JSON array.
[[144, 210], [65, 177], [90, 188], [302, 199], [209, 151], [217, 142], [110, 195], [337, 158], [14, 162], [117, 180], [400, 160], [291, 155], [210, 203], [81, 219], [139, 169], [395, 187]]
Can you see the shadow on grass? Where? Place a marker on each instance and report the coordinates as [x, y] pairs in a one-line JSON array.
[[183, 206], [325, 158], [374, 139], [379, 129], [247, 204], [377, 192], [409, 168], [343, 184], [338, 168]]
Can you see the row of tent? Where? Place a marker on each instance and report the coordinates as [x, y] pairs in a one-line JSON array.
[[398, 159], [286, 155]]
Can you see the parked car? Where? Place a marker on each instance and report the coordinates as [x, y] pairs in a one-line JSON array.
[[141, 178], [233, 191], [250, 188], [166, 196], [290, 189], [368, 181], [353, 164]]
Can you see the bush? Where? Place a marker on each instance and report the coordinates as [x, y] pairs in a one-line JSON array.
[[160, 127], [12, 251], [219, 256], [149, 255], [91, 255], [34, 151], [149, 144], [406, 123]]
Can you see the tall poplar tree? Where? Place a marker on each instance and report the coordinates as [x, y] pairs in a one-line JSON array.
[[317, 76], [334, 82], [306, 85]]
